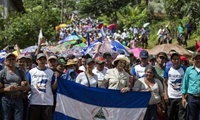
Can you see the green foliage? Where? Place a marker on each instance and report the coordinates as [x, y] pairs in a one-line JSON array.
[[23, 29], [133, 16]]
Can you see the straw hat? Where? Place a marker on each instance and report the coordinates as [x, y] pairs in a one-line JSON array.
[[121, 57], [70, 62]]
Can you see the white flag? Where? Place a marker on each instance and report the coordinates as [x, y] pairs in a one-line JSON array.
[[40, 36]]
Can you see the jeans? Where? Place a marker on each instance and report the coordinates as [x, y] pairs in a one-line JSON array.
[[175, 110], [12, 108], [194, 107], [151, 112]]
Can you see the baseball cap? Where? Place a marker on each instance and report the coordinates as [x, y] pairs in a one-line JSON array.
[[151, 57], [163, 54], [29, 57], [41, 55], [52, 57], [20, 57], [144, 54], [89, 60], [99, 60], [10, 54], [195, 54]]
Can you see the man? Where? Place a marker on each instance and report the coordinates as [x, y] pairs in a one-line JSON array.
[[161, 59], [52, 62], [138, 70], [12, 84], [173, 77], [42, 81], [152, 60], [191, 88], [100, 71], [21, 61], [108, 60]]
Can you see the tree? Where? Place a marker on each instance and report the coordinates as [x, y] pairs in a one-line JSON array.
[[105, 7], [23, 29]]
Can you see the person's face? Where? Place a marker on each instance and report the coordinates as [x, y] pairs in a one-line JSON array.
[[28, 64], [10, 61], [152, 62], [121, 64], [176, 61], [76, 60], [149, 74], [22, 62], [90, 66], [83, 61], [108, 59], [41, 61], [100, 66], [60, 67], [161, 60], [52, 63], [196, 61], [144, 61]]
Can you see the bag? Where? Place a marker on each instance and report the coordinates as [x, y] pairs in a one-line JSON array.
[[161, 113]]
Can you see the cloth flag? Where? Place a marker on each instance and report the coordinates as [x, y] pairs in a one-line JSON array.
[[75, 101], [119, 48], [102, 31], [40, 36]]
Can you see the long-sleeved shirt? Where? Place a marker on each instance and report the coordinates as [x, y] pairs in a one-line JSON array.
[[191, 81]]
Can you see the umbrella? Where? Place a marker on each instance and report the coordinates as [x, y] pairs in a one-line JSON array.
[[112, 26], [32, 49], [106, 47], [86, 27], [63, 25], [70, 38], [146, 24], [167, 47], [136, 51], [61, 48]]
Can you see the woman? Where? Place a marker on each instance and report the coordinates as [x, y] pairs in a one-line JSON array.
[[116, 77], [150, 83], [88, 78]]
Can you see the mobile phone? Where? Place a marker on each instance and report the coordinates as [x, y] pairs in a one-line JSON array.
[[10, 47]]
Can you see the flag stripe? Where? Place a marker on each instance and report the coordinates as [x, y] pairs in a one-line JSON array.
[[75, 110], [103, 97]]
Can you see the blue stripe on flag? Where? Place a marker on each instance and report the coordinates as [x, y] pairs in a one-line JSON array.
[[103, 97]]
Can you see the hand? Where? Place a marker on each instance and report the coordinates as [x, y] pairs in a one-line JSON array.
[[124, 90], [166, 99], [184, 102], [9, 88], [42, 40], [24, 83]]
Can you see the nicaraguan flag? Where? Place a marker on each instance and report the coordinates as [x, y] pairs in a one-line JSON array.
[[75, 101], [102, 31]]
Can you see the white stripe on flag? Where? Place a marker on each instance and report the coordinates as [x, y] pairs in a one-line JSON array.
[[83, 111]]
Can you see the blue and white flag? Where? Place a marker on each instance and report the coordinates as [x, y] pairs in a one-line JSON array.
[[75, 101], [119, 48], [102, 31]]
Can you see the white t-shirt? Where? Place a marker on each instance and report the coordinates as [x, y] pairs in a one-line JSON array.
[[100, 75], [82, 79], [40, 82], [138, 71], [174, 82]]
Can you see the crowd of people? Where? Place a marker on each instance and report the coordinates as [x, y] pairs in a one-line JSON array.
[[28, 83]]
